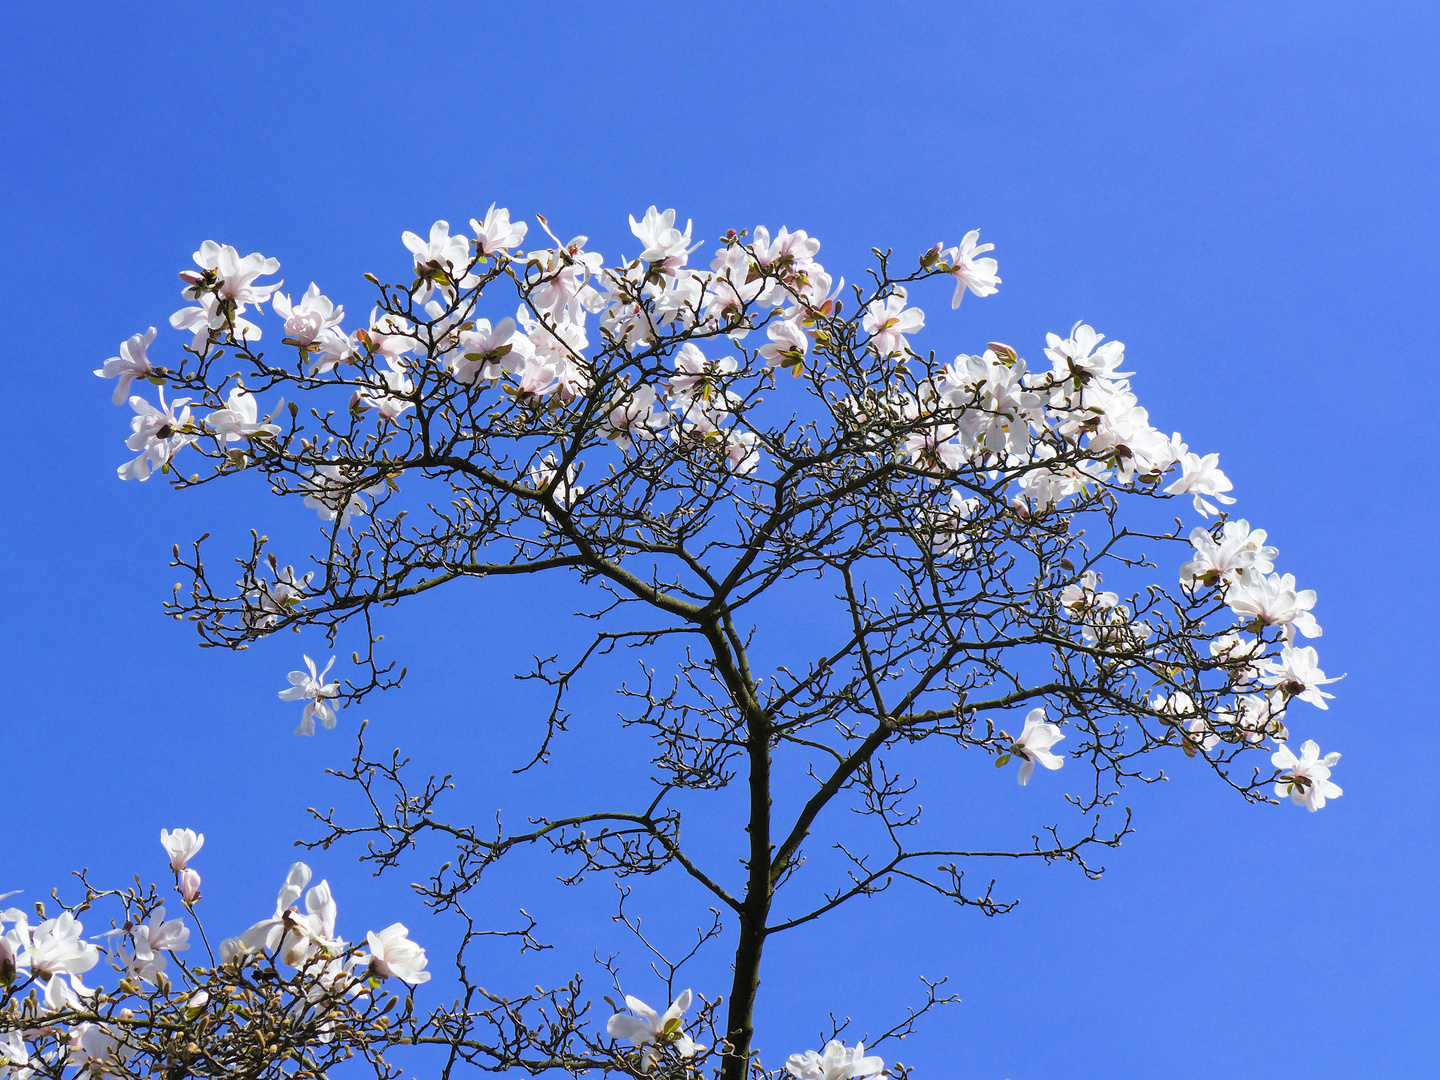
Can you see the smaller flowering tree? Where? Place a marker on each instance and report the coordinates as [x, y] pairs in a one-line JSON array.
[[975, 542]]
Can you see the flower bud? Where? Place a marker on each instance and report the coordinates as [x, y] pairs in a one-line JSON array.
[[189, 885]]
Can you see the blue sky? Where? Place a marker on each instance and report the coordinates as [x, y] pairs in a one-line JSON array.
[[1244, 194]]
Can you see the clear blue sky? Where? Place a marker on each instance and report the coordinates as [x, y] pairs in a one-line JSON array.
[[1244, 194]]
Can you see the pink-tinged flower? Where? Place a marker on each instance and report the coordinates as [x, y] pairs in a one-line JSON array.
[[240, 419], [889, 321], [488, 352], [391, 397], [229, 277], [144, 954], [1306, 779], [331, 493], [742, 452], [650, 1030], [392, 953], [497, 232], [977, 275], [787, 346], [309, 319], [701, 380], [836, 1062], [182, 845], [934, 451], [311, 688], [55, 948], [1034, 744], [634, 414], [131, 364], [1297, 674], [189, 885]]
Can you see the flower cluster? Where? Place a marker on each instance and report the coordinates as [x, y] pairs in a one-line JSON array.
[[50, 1020]]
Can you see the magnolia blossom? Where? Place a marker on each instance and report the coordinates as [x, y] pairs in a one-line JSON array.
[[189, 885], [267, 603], [1084, 596], [394, 398], [182, 845], [651, 1030], [497, 233], [158, 433], [488, 352], [742, 452], [131, 364], [14, 1057], [332, 493], [442, 260], [635, 414], [311, 688], [240, 419], [788, 343], [144, 954], [1305, 779], [977, 275], [1273, 600], [1034, 744], [666, 247], [392, 953], [55, 948], [1297, 674], [565, 490], [934, 451], [1222, 560], [228, 276], [887, 322], [700, 379], [835, 1062], [306, 321], [1081, 357], [297, 936], [1201, 477]]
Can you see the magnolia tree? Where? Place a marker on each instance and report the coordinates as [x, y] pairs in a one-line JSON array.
[[975, 544]]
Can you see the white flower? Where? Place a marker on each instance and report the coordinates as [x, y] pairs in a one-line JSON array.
[[312, 689], [742, 452], [977, 275], [393, 953], [266, 604], [131, 364], [229, 277], [144, 957], [443, 260], [1081, 358], [1201, 477], [158, 433], [1034, 744], [309, 319], [240, 419], [1306, 780], [1084, 596], [935, 450], [182, 845], [565, 491], [496, 232], [788, 343], [1297, 674], [390, 398], [651, 1030], [889, 321], [1273, 600], [297, 936], [836, 1062], [55, 948], [331, 494], [487, 352], [634, 414], [698, 379], [665, 245]]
